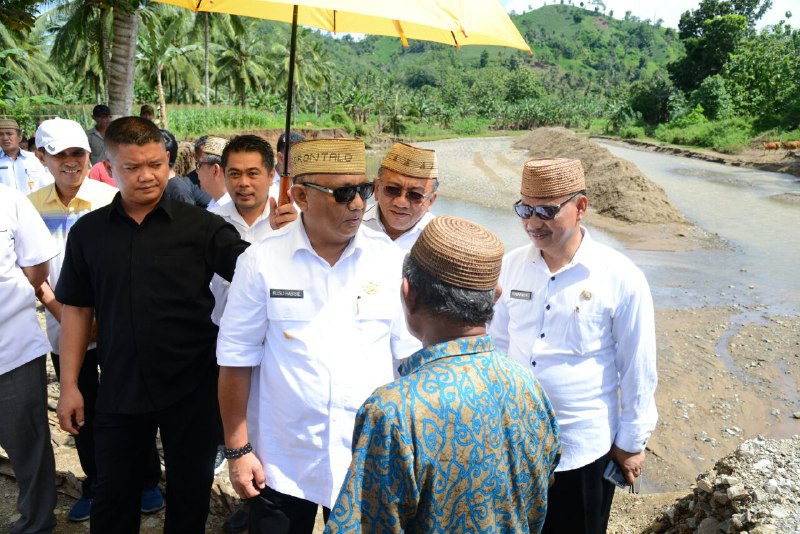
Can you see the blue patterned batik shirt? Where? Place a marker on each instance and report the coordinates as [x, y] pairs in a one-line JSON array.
[[465, 441]]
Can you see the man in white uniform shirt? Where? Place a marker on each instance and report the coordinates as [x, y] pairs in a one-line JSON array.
[[315, 305], [404, 194], [210, 173], [25, 250], [19, 169], [248, 163], [579, 315]]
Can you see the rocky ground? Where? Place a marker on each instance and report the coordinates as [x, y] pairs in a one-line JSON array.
[[726, 375]]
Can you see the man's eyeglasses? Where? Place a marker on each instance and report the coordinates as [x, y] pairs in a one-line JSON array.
[[414, 197], [545, 213], [346, 194]]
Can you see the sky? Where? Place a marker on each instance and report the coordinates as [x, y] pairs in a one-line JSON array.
[[670, 10]]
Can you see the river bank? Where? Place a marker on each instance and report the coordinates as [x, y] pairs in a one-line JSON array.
[[782, 161]]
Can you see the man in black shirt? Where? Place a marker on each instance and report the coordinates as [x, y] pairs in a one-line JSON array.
[[142, 265]]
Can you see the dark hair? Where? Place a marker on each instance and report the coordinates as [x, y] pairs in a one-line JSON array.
[[100, 109], [294, 137], [200, 143], [131, 131], [250, 143], [457, 304], [146, 108], [171, 144]]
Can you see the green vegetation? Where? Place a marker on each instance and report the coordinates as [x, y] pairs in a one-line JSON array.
[[716, 82], [733, 83]]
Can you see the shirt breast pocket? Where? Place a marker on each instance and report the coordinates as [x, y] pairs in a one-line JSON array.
[[374, 316], [590, 332], [8, 258], [294, 316]]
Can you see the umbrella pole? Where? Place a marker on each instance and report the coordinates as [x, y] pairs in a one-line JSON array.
[[286, 181]]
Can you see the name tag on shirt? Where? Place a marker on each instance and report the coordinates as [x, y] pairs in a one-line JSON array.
[[522, 295], [285, 293]]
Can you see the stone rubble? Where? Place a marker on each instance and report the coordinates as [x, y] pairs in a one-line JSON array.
[[754, 490]]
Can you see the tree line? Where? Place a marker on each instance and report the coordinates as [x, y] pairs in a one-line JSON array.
[[588, 70]]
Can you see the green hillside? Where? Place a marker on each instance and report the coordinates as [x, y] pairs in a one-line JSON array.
[[574, 50]]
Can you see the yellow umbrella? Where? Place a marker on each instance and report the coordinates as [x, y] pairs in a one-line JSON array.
[[452, 22]]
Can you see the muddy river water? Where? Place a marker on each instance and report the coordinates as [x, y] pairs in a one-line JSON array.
[[756, 262]]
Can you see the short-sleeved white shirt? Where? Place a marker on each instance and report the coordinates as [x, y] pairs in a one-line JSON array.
[[24, 242], [252, 234], [407, 239], [25, 174], [325, 337]]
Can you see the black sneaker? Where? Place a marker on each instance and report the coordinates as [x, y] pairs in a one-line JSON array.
[[219, 460]]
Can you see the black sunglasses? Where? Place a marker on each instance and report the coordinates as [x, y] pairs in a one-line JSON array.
[[545, 213], [346, 194], [412, 196]]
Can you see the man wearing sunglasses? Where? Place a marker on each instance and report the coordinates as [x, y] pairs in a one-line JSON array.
[[579, 315], [404, 194], [312, 326]]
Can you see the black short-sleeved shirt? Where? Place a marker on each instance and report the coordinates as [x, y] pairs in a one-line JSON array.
[[149, 286]]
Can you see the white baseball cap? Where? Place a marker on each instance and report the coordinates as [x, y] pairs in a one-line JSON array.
[[55, 135]]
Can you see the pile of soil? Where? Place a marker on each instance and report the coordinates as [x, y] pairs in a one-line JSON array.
[[616, 188]]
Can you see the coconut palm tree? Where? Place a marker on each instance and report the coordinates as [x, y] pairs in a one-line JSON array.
[[25, 62], [162, 46], [81, 36], [119, 71], [240, 60], [206, 23], [313, 68]]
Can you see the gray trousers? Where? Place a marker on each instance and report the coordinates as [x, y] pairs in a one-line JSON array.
[[25, 436]]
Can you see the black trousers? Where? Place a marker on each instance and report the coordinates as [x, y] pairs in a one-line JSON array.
[[122, 443], [273, 512], [579, 500], [88, 382]]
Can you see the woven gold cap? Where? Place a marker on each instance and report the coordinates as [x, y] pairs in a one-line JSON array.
[[215, 145], [552, 177], [460, 253], [411, 161], [9, 124], [328, 156]]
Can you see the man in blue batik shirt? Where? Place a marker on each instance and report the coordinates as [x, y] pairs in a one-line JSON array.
[[466, 439]]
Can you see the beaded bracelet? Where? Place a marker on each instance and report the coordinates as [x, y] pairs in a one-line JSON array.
[[231, 454]]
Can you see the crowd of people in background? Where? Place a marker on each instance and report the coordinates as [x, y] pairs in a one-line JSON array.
[[394, 368]]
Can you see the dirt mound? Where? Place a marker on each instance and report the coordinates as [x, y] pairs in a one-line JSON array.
[[616, 188]]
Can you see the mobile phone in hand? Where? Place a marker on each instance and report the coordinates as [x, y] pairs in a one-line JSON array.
[[614, 475]]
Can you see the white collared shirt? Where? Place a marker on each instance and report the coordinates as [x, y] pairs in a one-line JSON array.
[[587, 333], [24, 242], [25, 174], [221, 201], [59, 219], [252, 234], [407, 239], [325, 338]]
